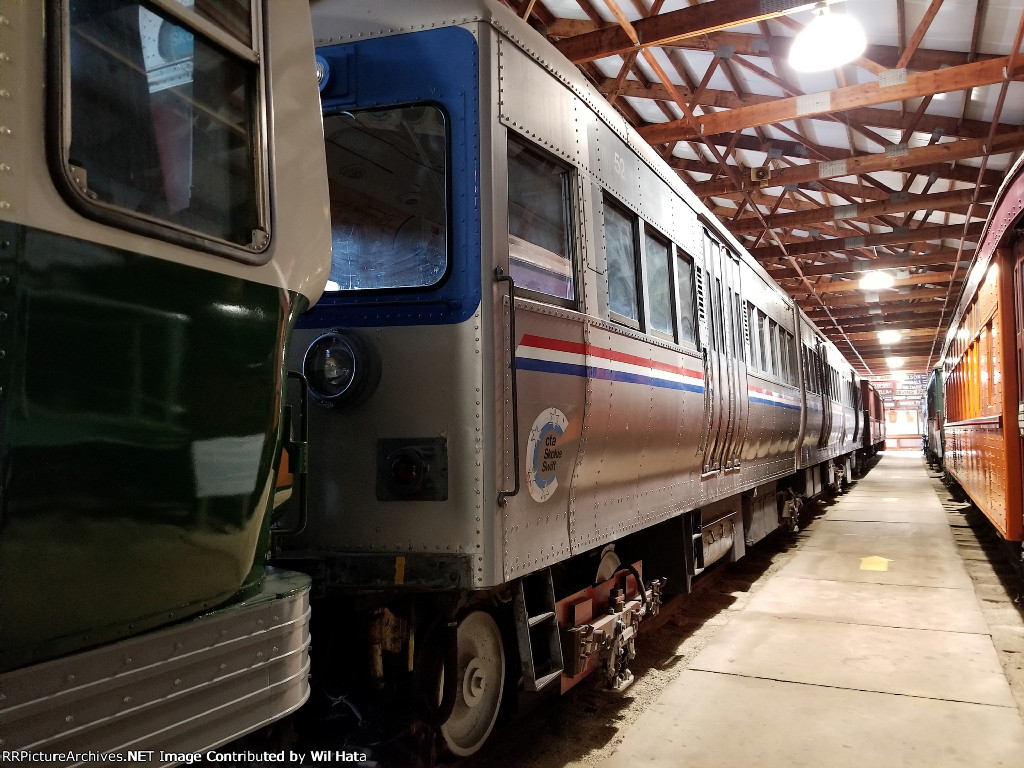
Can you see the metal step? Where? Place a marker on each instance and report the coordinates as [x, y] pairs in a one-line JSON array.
[[540, 650]]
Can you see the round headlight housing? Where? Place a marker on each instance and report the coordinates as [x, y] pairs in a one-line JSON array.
[[342, 368]]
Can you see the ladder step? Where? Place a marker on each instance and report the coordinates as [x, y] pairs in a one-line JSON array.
[[540, 618], [547, 679], [540, 650]]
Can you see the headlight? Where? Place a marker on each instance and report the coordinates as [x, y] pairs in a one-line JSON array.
[[342, 368]]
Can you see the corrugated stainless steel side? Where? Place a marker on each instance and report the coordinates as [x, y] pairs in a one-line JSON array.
[[184, 689]]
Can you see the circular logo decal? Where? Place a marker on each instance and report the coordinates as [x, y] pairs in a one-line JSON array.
[[544, 453]]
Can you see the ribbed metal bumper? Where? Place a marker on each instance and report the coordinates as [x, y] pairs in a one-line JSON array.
[[184, 689]]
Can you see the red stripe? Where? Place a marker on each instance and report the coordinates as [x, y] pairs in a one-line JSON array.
[[589, 350]]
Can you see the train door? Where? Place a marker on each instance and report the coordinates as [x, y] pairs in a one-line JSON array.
[[823, 372], [721, 281]]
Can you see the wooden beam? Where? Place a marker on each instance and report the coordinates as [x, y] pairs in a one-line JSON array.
[[887, 161], [873, 116], [913, 314], [776, 47], [919, 33], [921, 234], [945, 256], [844, 188], [864, 95], [905, 333], [664, 28], [940, 201], [921, 278], [849, 301]]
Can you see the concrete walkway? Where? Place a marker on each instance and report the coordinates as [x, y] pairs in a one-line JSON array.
[[868, 648]]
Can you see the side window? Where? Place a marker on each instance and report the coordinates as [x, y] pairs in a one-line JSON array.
[[773, 340], [165, 125], [539, 235], [686, 303], [387, 179], [621, 250], [659, 284], [762, 331], [783, 356], [794, 375], [753, 348], [737, 315]]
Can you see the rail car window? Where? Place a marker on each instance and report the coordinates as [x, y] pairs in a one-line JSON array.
[[738, 318], [773, 341], [388, 185], [752, 348], [794, 374], [539, 243], [164, 123], [686, 301], [783, 357], [721, 308], [658, 255], [762, 332], [621, 250]]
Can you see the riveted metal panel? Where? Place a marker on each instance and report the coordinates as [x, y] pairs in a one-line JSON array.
[[615, 165], [551, 369], [537, 106]]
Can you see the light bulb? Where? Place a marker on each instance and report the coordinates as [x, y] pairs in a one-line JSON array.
[[829, 41]]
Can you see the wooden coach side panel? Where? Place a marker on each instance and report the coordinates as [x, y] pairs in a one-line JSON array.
[[982, 444]]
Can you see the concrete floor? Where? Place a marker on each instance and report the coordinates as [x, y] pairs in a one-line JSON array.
[[869, 647]]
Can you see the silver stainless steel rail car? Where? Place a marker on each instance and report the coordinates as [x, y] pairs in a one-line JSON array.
[[547, 372]]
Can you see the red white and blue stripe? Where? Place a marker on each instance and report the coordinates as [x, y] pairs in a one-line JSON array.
[[765, 396], [537, 353]]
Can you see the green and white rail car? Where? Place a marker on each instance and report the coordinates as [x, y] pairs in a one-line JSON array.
[[150, 273]]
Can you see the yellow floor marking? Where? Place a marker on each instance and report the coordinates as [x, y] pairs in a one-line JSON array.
[[874, 563]]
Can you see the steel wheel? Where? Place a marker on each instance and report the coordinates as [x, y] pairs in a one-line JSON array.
[[480, 680]]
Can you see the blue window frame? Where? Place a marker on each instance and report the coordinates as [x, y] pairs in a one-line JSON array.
[[436, 69]]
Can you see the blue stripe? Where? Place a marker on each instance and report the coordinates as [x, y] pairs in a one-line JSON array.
[[772, 402], [529, 364], [544, 366], [568, 369]]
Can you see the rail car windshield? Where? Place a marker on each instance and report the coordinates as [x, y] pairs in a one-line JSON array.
[[164, 123], [387, 176]]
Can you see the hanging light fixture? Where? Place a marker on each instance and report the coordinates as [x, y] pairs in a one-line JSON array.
[[876, 280], [829, 41], [889, 336]]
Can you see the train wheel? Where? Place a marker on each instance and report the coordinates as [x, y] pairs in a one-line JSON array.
[[480, 680]]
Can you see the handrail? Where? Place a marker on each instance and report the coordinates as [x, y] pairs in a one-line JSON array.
[[298, 455], [501, 277]]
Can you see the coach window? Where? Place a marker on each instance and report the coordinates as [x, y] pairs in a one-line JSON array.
[[752, 347], [387, 179], [773, 340], [165, 122], [783, 357], [685, 300], [621, 251], [737, 315], [794, 377], [762, 332], [539, 241], [658, 258]]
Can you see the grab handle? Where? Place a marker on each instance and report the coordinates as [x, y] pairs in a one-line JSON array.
[[501, 277]]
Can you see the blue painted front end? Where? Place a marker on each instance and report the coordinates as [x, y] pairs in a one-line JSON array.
[[437, 67]]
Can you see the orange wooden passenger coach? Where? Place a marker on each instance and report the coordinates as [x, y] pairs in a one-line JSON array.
[[982, 366]]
